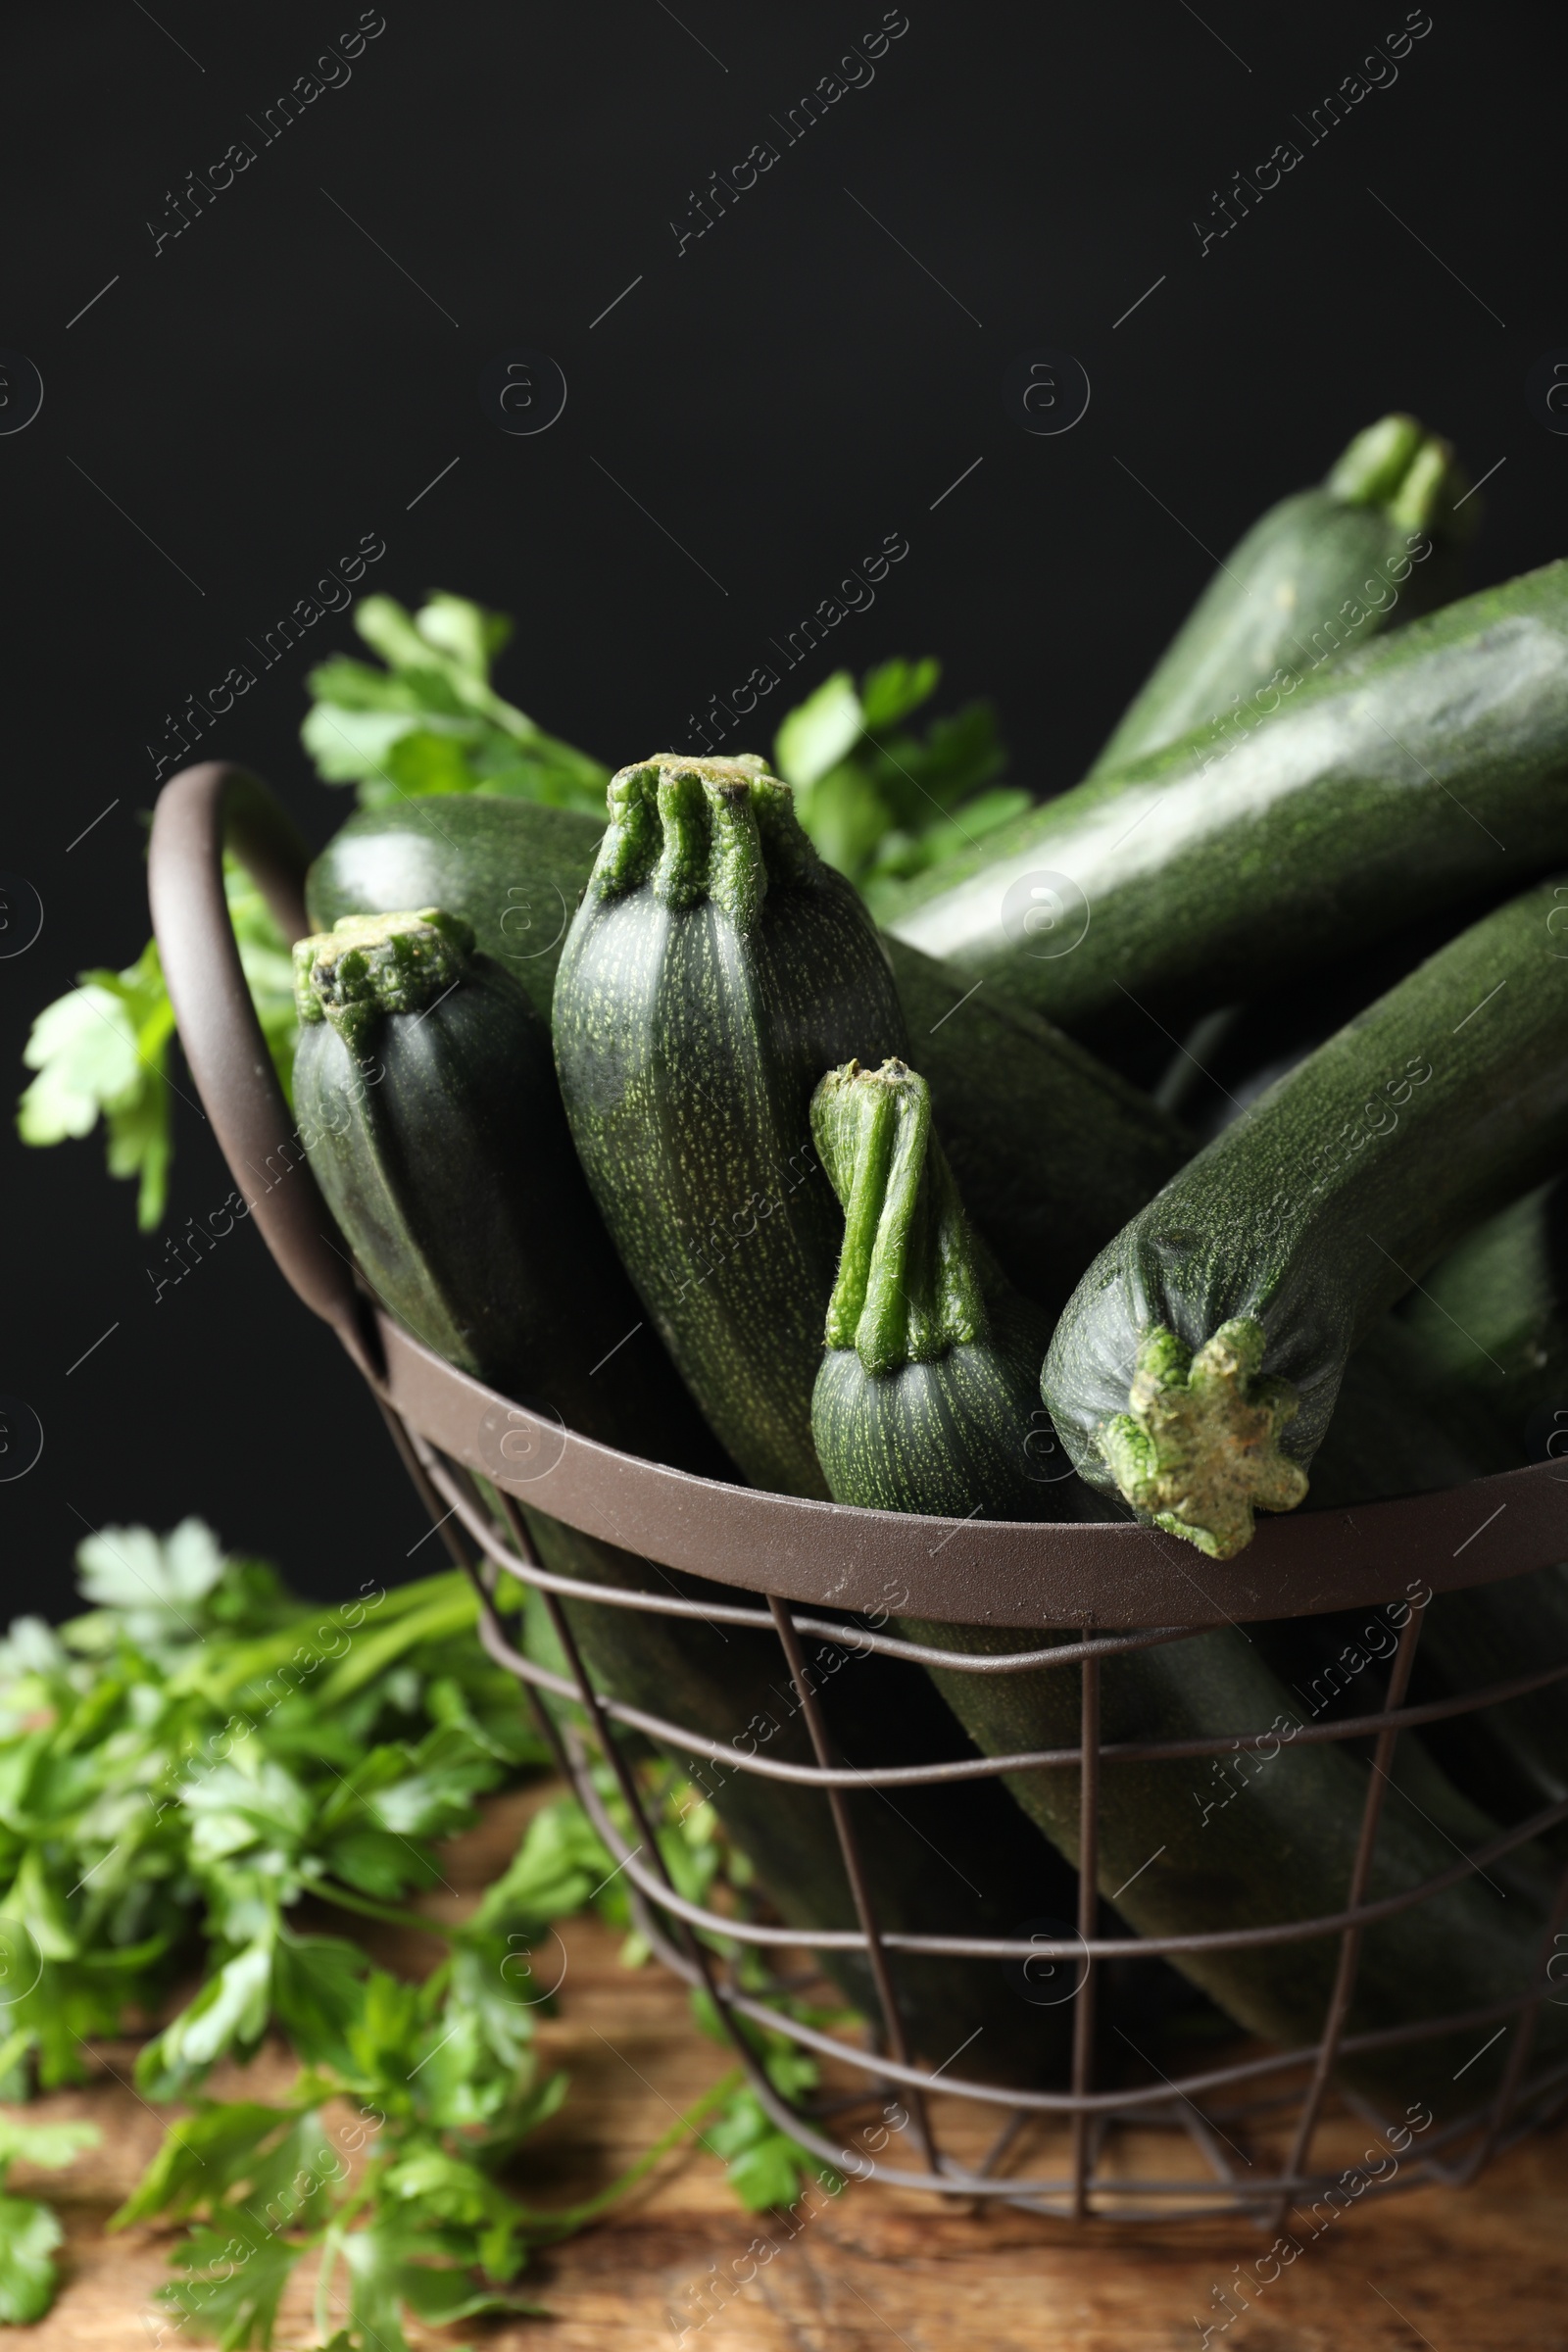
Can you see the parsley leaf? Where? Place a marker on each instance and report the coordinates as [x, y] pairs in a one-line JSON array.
[[29, 2231], [102, 1050], [881, 804]]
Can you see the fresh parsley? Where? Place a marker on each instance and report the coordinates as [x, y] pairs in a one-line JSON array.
[[880, 801], [180, 1767]]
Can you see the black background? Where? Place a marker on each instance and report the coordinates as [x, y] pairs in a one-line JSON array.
[[271, 385]]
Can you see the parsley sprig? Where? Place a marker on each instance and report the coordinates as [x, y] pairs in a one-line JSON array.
[[880, 801], [196, 1774]]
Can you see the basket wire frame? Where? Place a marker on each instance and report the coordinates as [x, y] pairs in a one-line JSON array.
[[1200, 2104], [1055, 1579]]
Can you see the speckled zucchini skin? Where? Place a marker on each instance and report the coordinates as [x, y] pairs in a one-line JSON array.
[[1285, 1239], [1053, 1150], [1371, 547], [443, 1153], [1489, 1324], [441, 1148], [1397, 780], [1409, 1419], [715, 969], [512, 869], [925, 1399], [905, 1423]]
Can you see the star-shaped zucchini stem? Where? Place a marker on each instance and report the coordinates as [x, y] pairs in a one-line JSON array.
[[1198, 1450]]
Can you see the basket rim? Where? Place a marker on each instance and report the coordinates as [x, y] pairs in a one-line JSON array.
[[994, 1572]]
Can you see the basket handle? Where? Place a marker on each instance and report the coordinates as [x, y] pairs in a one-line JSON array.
[[200, 813]]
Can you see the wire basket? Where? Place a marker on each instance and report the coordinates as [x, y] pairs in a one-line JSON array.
[[796, 1568]]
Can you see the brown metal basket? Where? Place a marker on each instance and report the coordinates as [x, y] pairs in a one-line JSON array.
[[1117, 1587]]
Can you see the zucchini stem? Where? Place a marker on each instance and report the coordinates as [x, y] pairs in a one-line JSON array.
[[370, 964], [701, 829], [1200, 1449], [909, 1285], [1396, 465]]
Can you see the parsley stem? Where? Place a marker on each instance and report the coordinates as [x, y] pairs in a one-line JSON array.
[[575, 2216], [19, 2043], [343, 1899]]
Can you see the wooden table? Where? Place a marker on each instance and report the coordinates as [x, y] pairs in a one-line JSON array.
[[1484, 2269]]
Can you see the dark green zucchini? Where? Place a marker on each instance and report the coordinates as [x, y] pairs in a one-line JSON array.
[[514, 869], [715, 968], [425, 1087], [1377, 542], [1404, 778], [424, 1090], [1051, 1148], [1055, 1152], [1387, 1439], [1490, 1327], [1486, 1337], [924, 1404], [950, 1860], [1400, 1426], [926, 1400], [1197, 1363]]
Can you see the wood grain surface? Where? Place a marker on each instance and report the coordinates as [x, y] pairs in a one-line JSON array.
[[1484, 2270]]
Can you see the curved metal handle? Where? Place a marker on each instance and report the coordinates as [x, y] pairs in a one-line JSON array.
[[199, 812]]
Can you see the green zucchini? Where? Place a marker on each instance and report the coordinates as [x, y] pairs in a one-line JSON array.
[[1052, 1150], [1377, 542], [512, 869], [925, 1400], [1196, 1366], [1386, 1440], [1486, 1337], [925, 1404], [424, 1084], [950, 1860], [714, 968], [1407, 777], [1490, 1327], [1403, 1423], [1055, 1152]]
